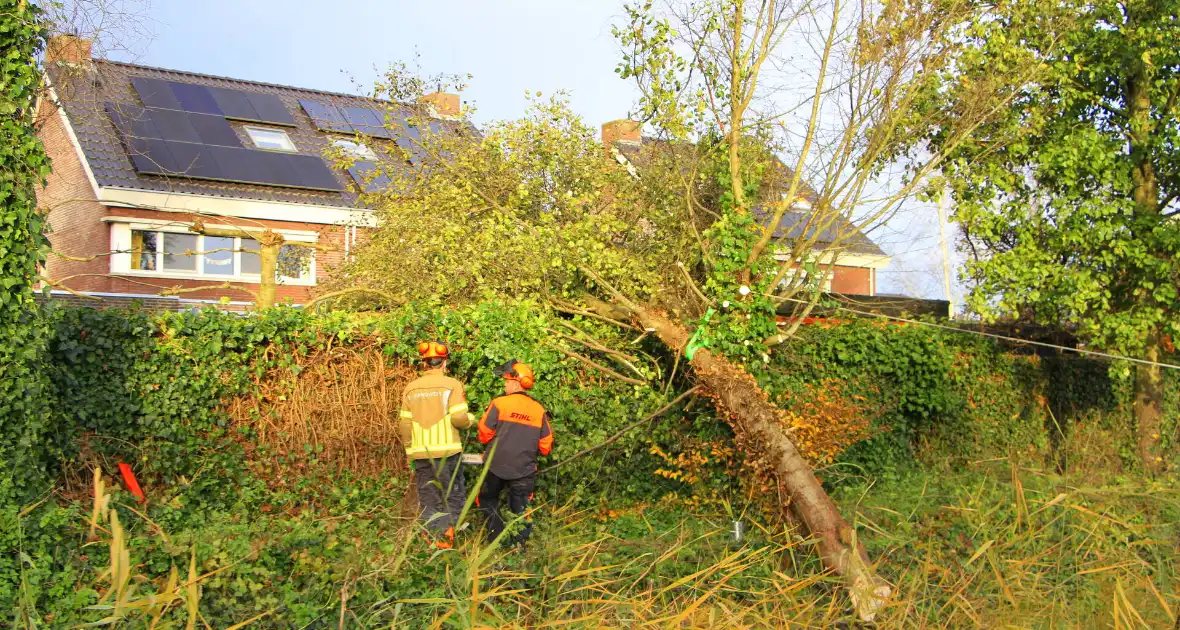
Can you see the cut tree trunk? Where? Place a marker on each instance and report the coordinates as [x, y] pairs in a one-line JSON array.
[[1149, 409], [268, 257], [750, 413]]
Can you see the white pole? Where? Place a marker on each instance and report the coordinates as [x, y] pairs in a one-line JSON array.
[[944, 200]]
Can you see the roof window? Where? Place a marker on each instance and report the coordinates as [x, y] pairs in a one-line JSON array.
[[356, 150], [271, 139]]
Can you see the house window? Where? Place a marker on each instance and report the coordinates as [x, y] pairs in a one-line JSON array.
[[251, 263], [294, 261], [144, 247], [356, 150], [271, 139], [179, 252], [220, 257]]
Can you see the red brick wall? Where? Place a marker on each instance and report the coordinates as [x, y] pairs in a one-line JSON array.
[[74, 226], [325, 260], [77, 230], [852, 280]]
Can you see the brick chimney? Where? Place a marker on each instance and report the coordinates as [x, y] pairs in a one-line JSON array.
[[446, 105], [624, 131], [68, 49]]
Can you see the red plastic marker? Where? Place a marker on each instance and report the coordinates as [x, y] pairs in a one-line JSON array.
[[132, 484]]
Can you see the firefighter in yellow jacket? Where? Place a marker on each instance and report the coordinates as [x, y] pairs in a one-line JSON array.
[[434, 409]]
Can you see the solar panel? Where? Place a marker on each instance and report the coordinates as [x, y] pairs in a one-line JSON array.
[[325, 116], [195, 98], [174, 125], [150, 155], [366, 176], [234, 104], [364, 120], [139, 123], [214, 130], [314, 173], [410, 131], [271, 109], [155, 93], [413, 152], [115, 112], [239, 165], [193, 160], [383, 125], [277, 168]]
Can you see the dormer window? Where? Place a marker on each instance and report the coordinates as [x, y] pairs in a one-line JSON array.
[[356, 150], [271, 139]]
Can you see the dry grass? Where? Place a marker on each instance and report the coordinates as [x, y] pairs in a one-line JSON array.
[[999, 547], [340, 404], [1012, 548]]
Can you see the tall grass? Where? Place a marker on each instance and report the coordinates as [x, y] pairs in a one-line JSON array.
[[1010, 548], [999, 546]]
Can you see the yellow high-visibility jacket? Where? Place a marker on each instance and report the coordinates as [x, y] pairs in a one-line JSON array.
[[434, 408]]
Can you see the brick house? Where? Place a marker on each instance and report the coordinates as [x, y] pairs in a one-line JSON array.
[[152, 166], [854, 257], [140, 154]]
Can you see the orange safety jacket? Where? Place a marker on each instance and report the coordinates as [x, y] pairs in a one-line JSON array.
[[434, 408], [519, 426]]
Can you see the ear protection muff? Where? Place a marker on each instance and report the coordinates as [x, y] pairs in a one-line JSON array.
[[432, 349], [525, 375], [517, 371]]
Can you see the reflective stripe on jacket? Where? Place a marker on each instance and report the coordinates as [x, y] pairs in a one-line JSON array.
[[520, 429], [434, 408]]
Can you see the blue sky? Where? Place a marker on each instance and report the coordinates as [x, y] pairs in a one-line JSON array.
[[509, 46]]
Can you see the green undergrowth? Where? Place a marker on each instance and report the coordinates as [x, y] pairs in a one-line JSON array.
[[631, 534], [992, 546]]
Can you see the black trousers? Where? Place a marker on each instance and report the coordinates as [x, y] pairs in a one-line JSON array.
[[442, 491], [520, 492]]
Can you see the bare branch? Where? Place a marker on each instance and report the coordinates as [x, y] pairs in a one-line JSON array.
[[602, 368]]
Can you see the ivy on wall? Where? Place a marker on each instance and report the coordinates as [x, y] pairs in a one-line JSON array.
[[23, 166]]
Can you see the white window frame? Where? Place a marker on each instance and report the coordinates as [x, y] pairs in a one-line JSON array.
[[794, 274], [356, 150], [288, 143], [121, 258]]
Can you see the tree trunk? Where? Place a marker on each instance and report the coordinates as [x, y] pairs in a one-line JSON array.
[[1149, 408], [750, 413], [268, 255], [1149, 382]]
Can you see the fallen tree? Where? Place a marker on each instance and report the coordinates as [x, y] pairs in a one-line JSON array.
[[680, 234]]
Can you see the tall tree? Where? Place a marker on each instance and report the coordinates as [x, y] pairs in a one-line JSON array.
[[1068, 201]]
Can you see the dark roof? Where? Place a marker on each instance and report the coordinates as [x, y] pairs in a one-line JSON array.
[[881, 304], [84, 92], [794, 224]]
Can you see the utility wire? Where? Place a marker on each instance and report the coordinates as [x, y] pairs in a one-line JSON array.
[[987, 334]]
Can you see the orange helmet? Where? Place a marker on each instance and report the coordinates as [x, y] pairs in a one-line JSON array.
[[432, 350], [514, 370]]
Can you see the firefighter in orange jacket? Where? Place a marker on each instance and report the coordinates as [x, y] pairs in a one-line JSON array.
[[516, 428], [434, 409]]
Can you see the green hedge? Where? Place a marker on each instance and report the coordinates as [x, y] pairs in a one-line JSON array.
[[954, 397], [147, 388]]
